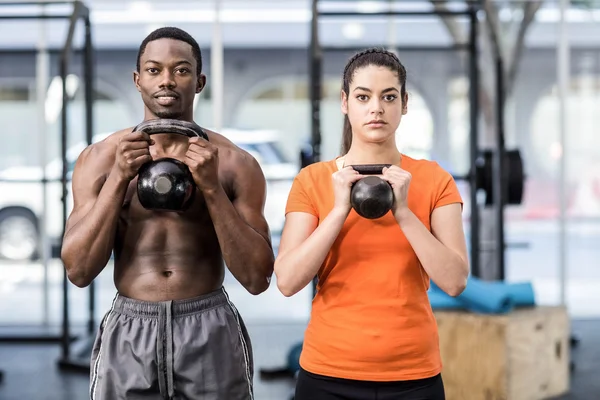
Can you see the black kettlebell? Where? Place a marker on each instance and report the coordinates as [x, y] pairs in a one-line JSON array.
[[167, 184], [371, 197]]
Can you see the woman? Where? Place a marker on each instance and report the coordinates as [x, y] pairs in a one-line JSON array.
[[372, 333]]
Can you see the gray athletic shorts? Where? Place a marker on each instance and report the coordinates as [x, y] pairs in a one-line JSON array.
[[189, 349]]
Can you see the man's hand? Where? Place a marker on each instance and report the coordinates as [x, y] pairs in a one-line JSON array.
[[133, 151], [202, 158]]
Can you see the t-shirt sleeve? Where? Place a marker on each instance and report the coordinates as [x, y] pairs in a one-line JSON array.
[[446, 189], [299, 200]]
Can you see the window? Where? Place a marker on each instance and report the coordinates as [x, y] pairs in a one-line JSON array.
[[582, 141], [415, 133], [71, 165], [459, 124], [17, 105], [266, 152], [14, 94], [203, 107]]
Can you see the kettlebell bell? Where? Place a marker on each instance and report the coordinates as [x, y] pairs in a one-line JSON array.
[[167, 184], [371, 197]]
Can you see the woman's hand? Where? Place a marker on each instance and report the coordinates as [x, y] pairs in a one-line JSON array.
[[342, 184], [400, 181]]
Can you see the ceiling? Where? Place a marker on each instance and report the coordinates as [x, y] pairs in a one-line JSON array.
[[122, 24]]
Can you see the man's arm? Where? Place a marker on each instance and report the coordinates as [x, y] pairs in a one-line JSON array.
[[241, 227], [90, 229], [98, 198]]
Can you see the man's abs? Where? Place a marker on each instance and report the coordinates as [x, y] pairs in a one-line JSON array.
[[150, 279], [166, 256]]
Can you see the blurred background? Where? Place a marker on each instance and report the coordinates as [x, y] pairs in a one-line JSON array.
[[266, 72]]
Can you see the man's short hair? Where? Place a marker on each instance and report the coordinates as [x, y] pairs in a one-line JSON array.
[[170, 32]]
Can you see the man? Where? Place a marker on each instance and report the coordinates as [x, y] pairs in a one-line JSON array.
[[171, 332]]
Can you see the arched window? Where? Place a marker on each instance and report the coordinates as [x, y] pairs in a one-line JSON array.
[[582, 142], [414, 136], [583, 127]]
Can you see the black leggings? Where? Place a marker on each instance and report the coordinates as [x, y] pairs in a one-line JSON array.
[[312, 387]]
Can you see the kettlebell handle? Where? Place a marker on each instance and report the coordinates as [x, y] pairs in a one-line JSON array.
[[370, 169], [163, 125]]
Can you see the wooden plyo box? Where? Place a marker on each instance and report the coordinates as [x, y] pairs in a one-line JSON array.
[[523, 355]]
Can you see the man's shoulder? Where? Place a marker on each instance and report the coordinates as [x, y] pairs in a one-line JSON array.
[[229, 152]]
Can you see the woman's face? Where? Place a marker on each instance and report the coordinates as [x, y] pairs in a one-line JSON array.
[[374, 104]]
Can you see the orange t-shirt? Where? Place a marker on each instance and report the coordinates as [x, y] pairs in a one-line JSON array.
[[371, 318]]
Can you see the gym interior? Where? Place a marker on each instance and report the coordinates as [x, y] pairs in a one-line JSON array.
[[502, 94]]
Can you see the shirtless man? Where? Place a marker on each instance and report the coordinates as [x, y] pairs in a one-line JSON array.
[[171, 332]]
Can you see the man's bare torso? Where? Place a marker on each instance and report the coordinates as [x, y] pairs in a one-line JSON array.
[[168, 255]]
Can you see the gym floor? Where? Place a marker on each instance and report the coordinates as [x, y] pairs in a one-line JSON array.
[[31, 372]]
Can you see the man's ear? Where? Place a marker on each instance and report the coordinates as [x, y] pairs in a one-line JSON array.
[[200, 83], [344, 101], [136, 80]]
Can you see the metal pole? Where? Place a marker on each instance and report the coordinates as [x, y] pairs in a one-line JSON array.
[[64, 62], [499, 180], [563, 67], [404, 48], [42, 78], [474, 143], [32, 16], [314, 85], [88, 76], [63, 151], [216, 57], [34, 3], [406, 13], [315, 67], [391, 42]]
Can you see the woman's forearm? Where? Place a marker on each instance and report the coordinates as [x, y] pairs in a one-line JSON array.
[[445, 267]]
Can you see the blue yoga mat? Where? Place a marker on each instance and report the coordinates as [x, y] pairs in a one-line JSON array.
[[485, 297], [441, 301], [522, 293]]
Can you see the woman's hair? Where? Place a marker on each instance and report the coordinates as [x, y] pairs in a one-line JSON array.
[[374, 56]]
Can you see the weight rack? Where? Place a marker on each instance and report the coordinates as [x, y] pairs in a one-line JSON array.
[[80, 12], [470, 10]]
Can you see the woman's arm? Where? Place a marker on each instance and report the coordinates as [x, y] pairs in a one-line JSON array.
[[303, 247], [304, 242], [443, 251]]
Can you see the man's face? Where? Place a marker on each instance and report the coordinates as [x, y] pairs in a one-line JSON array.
[[167, 79]]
